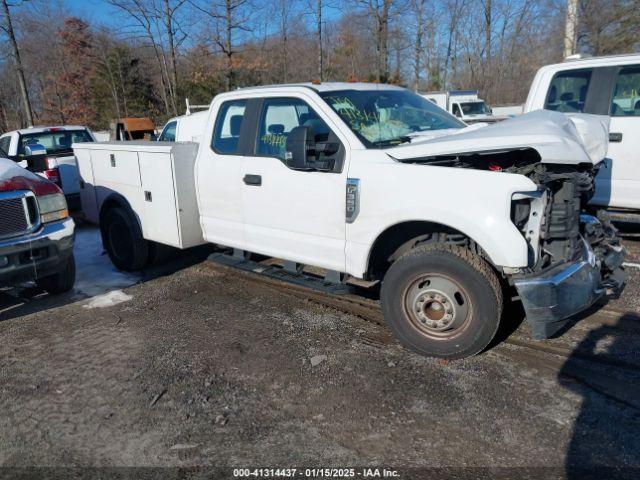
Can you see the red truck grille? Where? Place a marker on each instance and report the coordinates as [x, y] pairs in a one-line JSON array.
[[17, 214]]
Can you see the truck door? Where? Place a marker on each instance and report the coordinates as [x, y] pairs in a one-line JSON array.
[[219, 177], [624, 139], [293, 214]]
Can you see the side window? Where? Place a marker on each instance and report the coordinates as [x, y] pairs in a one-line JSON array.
[[169, 132], [626, 93], [456, 110], [226, 134], [4, 146], [279, 117], [568, 91]]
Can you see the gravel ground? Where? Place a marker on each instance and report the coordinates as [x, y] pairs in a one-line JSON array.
[[201, 368]]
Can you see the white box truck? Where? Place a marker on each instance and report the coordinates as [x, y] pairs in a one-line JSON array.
[[376, 182], [464, 104]]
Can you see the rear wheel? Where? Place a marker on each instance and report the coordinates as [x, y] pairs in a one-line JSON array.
[[122, 239], [442, 301], [62, 281]]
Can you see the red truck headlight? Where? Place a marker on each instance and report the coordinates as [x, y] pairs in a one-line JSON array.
[[52, 207]]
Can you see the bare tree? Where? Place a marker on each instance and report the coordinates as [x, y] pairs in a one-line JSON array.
[[8, 29], [380, 12], [284, 18], [230, 16], [418, 7], [158, 24], [319, 37]]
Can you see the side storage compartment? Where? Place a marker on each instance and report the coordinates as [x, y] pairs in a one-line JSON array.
[[184, 161], [160, 210]]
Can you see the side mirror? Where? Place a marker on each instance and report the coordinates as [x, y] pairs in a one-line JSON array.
[[299, 144], [34, 149]]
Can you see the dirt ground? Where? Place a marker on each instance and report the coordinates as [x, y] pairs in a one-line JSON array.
[[201, 368]]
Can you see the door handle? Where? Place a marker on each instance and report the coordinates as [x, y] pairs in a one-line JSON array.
[[255, 180], [615, 137]]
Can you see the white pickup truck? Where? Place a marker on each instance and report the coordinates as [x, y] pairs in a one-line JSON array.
[[47, 152], [378, 183], [608, 86]]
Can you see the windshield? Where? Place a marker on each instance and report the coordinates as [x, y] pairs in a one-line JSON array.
[[474, 108], [383, 118], [54, 142]]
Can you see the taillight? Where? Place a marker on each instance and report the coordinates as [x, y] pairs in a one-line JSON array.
[[53, 175], [51, 163]]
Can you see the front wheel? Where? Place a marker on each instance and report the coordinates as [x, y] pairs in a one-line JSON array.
[[62, 281], [442, 301]]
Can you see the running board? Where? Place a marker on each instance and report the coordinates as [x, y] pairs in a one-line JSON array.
[[333, 282]]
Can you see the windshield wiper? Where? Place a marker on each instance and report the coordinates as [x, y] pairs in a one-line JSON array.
[[392, 141]]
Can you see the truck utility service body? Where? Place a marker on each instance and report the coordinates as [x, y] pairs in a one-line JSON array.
[[608, 86], [376, 182]]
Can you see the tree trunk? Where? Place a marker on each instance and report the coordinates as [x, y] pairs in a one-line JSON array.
[[418, 49], [487, 32], [19, 68], [173, 79], [284, 41], [320, 57], [228, 45], [570, 29]]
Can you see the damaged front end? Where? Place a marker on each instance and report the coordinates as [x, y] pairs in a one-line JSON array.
[[576, 256]]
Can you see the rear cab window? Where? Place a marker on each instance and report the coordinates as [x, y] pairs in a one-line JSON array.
[[568, 91], [226, 134], [626, 93], [55, 141]]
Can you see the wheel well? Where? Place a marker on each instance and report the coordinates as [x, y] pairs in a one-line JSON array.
[[111, 202], [399, 239]]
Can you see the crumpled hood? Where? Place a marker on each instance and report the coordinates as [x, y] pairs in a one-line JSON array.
[[558, 138]]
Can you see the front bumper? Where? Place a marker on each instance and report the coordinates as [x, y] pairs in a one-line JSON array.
[[37, 255], [551, 298]]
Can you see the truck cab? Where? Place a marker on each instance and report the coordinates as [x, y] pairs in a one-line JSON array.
[[607, 86], [376, 182]]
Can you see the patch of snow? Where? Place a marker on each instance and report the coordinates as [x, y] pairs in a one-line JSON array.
[[108, 299], [95, 274]]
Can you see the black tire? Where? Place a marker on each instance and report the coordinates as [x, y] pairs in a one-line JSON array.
[[442, 301], [62, 281], [122, 239]]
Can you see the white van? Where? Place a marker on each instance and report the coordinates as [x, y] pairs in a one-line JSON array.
[[186, 128], [602, 86]]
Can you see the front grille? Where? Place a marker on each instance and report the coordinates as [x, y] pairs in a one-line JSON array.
[[14, 217]]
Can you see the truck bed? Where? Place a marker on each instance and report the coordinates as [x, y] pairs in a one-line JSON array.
[[155, 178]]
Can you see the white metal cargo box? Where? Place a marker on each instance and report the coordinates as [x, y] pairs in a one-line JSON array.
[[155, 178]]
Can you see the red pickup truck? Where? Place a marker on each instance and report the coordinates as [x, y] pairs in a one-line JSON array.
[[36, 231]]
